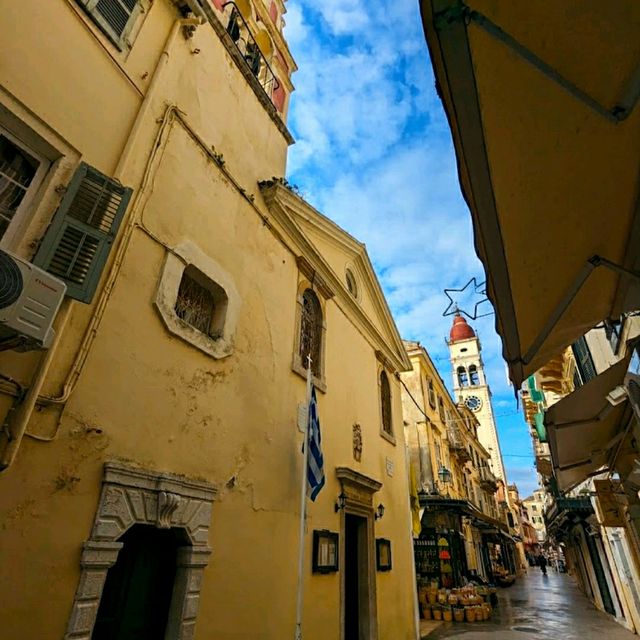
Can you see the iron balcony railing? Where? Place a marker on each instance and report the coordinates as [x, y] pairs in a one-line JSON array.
[[456, 443], [248, 48]]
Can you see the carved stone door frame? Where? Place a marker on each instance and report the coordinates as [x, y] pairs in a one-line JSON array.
[[358, 491], [135, 496]]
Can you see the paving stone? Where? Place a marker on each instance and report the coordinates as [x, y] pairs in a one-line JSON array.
[[539, 608]]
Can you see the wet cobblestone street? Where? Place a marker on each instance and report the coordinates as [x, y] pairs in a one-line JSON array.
[[539, 607]]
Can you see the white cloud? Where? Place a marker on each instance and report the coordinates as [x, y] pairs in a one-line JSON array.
[[374, 153], [344, 16]]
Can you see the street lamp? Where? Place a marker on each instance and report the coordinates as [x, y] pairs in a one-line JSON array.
[[445, 477]]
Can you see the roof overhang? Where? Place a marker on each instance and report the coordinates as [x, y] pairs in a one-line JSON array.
[[567, 512], [585, 429], [542, 105]]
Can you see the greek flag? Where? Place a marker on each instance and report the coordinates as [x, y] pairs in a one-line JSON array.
[[315, 463]]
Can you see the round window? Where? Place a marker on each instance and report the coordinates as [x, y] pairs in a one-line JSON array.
[[351, 283]]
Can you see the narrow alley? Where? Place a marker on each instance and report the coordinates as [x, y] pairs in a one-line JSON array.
[[539, 607]]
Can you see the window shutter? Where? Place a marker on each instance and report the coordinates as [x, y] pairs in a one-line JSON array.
[[76, 245], [116, 13], [583, 360], [112, 16]]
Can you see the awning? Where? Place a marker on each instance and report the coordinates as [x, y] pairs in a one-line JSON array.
[[542, 101], [565, 513], [444, 503], [584, 427]]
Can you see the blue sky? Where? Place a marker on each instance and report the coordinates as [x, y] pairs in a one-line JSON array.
[[374, 153]]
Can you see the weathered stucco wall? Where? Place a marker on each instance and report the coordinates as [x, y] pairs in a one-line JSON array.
[[149, 398]]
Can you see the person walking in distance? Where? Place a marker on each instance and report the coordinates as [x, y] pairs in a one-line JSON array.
[[542, 563]]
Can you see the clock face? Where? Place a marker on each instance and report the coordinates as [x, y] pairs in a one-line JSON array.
[[474, 403]]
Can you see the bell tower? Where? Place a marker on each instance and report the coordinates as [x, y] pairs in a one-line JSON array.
[[470, 386]]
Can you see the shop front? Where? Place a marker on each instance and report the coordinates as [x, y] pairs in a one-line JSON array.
[[439, 552], [568, 522], [496, 549]]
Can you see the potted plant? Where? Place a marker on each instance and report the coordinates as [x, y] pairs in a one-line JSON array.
[[470, 614], [447, 613], [436, 611], [458, 614]]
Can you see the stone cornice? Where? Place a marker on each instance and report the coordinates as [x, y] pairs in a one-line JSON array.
[[281, 201], [316, 280], [121, 474], [357, 479]]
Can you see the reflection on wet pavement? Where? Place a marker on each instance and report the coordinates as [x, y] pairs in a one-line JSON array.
[[539, 607]]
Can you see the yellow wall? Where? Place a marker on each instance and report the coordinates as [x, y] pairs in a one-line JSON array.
[[149, 398]]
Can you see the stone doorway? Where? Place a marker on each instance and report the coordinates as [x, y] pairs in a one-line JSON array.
[[358, 611], [356, 579], [169, 505]]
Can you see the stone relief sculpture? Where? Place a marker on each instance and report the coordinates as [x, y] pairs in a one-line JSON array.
[[357, 442]]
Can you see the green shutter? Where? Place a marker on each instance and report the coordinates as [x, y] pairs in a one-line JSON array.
[[76, 245], [541, 430]]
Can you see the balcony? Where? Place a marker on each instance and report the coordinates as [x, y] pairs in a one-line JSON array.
[[489, 484], [251, 48], [456, 444]]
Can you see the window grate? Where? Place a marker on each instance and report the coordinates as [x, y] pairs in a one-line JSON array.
[[311, 331], [195, 304], [17, 170]]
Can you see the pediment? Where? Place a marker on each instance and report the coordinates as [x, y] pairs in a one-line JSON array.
[[323, 242]]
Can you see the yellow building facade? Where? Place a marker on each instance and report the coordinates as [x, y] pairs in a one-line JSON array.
[[457, 487], [162, 425]]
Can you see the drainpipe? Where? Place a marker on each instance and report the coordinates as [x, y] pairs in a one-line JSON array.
[[22, 412], [132, 138]]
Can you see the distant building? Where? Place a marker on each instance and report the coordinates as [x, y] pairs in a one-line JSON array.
[[536, 505], [457, 488]]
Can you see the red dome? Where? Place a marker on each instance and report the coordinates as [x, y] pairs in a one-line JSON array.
[[460, 330]]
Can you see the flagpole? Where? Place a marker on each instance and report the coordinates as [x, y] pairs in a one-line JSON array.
[[303, 507]]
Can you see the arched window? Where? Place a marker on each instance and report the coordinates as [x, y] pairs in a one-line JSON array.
[[385, 402], [463, 380], [311, 331], [474, 376]]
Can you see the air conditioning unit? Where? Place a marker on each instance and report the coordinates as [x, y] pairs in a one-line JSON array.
[[29, 301]]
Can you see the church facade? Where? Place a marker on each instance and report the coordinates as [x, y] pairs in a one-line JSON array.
[[151, 457]]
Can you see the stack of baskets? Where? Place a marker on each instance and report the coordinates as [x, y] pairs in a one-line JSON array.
[[468, 604]]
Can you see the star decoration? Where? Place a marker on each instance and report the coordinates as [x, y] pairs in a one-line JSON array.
[[475, 290]]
